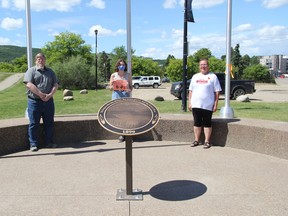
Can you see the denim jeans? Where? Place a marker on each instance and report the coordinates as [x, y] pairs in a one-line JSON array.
[[119, 94], [38, 109]]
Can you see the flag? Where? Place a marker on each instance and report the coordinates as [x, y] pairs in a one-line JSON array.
[[189, 13]]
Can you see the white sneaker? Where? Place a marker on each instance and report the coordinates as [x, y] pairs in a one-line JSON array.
[[34, 148]]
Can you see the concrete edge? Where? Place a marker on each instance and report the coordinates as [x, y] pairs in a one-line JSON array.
[[262, 136]]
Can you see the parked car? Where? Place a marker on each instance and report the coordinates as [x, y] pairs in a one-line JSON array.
[[146, 81], [237, 87], [165, 80]]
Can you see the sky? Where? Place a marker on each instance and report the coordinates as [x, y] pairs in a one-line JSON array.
[[258, 26]]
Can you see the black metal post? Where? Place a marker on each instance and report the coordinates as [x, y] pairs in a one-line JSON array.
[[185, 53], [96, 61], [129, 177]]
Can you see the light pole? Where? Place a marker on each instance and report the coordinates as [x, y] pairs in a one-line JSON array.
[[96, 61]]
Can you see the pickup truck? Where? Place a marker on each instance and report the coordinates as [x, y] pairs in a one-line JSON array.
[[237, 87]]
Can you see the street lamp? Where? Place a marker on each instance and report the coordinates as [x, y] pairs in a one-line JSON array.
[[96, 63]]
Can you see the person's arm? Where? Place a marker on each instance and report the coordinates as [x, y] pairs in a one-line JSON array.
[[111, 81], [189, 100], [217, 94], [35, 90]]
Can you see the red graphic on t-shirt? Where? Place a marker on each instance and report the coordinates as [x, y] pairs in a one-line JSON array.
[[202, 81]]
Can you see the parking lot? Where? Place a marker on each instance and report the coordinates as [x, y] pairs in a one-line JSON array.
[[264, 92]]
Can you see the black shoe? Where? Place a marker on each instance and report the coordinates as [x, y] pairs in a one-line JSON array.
[[51, 145]]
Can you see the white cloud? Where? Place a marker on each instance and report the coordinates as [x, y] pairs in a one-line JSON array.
[[155, 53], [243, 27], [274, 3], [97, 4], [5, 41], [105, 32], [40, 5], [273, 33], [5, 3], [169, 4], [10, 23], [197, 4]]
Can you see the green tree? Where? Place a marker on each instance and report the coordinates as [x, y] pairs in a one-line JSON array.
[[104, 67], [66, 45], [175, 68], [259, 73], [74, 73], [145, 67], [20, 64], [202, 53], [254, 60], [6, 67], [236, 61], [216, 65]]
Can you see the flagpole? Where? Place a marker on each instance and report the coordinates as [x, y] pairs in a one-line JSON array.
[[28, 34], [128, 26], [227, 111], [185, 53]]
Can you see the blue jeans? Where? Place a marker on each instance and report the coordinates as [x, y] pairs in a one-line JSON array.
[[119, 94], [38, 109]]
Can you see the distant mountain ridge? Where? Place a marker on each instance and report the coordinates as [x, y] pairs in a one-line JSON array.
[[10, 52]]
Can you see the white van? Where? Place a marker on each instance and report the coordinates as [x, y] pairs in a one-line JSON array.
[[146, 81]]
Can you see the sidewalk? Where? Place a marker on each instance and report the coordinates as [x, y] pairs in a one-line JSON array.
[[11, 80], [175, 179]]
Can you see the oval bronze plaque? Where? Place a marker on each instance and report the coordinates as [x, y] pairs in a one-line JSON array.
[[128, 116]]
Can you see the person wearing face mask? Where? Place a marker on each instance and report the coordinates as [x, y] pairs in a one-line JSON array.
[[204, 91], [41, 83], [121, 83]]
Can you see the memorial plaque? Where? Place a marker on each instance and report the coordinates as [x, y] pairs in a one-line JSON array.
[[128, 116]]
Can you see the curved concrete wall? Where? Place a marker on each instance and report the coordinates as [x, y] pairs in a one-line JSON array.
[[266, 137]]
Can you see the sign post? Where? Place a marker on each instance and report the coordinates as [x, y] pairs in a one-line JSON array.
[[128, 117]]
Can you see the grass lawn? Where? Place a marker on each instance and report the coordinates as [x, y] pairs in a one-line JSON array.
[[14, 102]]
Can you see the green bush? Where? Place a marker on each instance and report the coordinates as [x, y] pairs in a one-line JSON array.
[[259, 73], [75, 73]]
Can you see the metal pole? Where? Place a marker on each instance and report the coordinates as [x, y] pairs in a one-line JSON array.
[[185, 53], [28, 34], [96, 61], [227, 111], [129, 169], [128, 26]]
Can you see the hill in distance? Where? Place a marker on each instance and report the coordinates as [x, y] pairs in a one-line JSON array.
[[9, 52]]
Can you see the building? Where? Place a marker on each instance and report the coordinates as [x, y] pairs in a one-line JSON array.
[[277, 64]]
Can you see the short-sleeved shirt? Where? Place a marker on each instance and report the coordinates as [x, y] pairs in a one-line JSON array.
[[44, 80], [203, 87]]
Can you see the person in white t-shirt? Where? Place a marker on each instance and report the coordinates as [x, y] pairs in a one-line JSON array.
[[204, 91]]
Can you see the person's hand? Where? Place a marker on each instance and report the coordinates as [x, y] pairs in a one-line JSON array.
[[47, 97], [190, 107], [42, 96]]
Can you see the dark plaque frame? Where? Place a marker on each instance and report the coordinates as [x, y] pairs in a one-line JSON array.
[[128, 117]]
